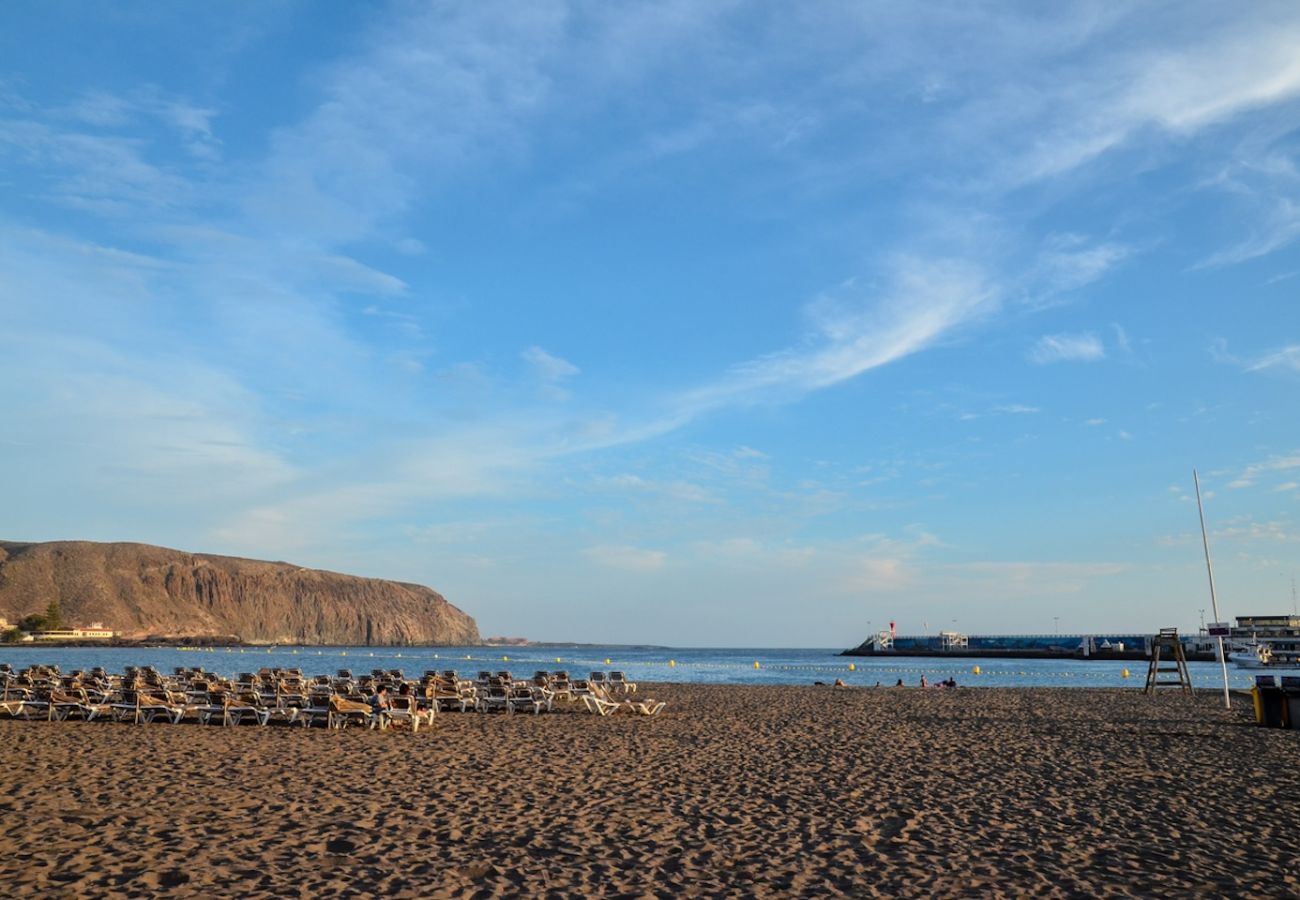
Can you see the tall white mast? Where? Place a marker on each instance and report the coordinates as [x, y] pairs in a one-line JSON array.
[[1214, 600]]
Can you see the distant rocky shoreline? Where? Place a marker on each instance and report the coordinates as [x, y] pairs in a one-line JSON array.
[[149, 594]]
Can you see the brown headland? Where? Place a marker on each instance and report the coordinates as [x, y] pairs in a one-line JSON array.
[[141, 591]]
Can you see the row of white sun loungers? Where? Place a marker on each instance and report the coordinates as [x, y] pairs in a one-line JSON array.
[[285, 696]]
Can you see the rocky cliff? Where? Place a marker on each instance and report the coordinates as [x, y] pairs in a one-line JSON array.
[[143, 591]]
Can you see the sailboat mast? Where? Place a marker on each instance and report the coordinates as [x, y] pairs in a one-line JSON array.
[[1214, 600]]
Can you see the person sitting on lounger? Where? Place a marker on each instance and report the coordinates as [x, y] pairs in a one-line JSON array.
[[380, 705]]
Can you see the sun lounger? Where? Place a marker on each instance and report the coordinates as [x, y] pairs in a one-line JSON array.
[[344, 712], [618, 681], [67, 705], [247, 706], [599, 705], [645, 707], [495, 696], [142, 707], [11, 708], [405, 710], [525, 698]]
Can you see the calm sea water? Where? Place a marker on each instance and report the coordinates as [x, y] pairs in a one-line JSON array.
[[716, 666]]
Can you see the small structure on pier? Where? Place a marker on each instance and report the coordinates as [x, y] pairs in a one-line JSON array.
[[953, 640]]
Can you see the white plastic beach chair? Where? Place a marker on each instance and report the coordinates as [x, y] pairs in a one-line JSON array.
[[618, 681]]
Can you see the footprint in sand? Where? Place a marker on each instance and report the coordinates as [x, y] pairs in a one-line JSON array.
[[340, 846]]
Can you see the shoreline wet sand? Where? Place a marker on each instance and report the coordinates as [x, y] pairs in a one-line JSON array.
[[731, 791]]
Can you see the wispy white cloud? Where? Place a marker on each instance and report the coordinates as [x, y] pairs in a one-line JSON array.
[[548, 367], [1287, 358], [927, 301], [1179, 89], [1277, 224], [673, 489], [630, 559], [1121, 338], [1052, 348], [1253, 472], [1284, 359], [1040, 577]]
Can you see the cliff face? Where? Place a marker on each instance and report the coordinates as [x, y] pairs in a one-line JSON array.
[[140, 591]]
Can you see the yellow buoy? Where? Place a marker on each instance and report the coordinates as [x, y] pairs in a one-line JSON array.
[[756, 664], [1124, 674], [606, 660], [975, 670], [557, 659], [505, 659], [672, 663], [853, 667]]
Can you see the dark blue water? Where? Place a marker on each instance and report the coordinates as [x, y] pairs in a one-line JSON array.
[[716, 666]]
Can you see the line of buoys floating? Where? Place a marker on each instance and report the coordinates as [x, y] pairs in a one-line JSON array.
[[756, 664]]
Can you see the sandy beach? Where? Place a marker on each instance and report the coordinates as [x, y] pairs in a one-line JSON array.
[[732, 791]]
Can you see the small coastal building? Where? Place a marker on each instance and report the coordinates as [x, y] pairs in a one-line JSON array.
[[96, 632], [1267, 626]]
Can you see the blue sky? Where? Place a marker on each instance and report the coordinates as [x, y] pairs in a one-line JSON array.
[[686, 323]]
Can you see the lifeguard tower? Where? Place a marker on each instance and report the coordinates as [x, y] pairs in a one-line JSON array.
[[1167, 645]]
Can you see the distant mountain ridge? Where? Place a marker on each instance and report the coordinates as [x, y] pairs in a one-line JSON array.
[[140, 591]]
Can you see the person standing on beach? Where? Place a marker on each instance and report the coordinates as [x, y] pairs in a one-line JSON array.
[[924, 683]]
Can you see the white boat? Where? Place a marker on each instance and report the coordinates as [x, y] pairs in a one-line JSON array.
[[1251, 656]]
